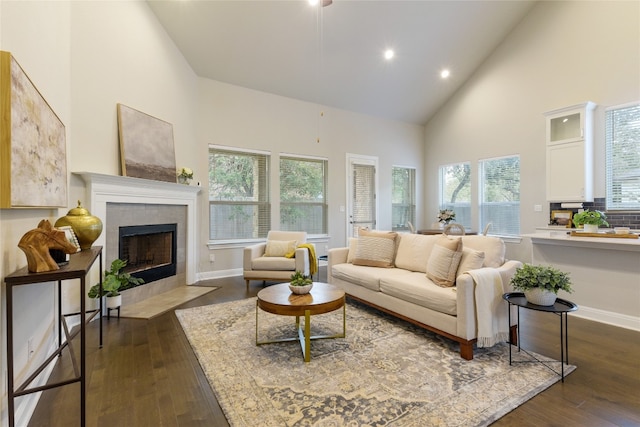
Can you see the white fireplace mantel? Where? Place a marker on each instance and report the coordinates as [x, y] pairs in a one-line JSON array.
[[103, 189]]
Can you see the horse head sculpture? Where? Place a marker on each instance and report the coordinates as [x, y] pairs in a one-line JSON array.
[[37, 242]]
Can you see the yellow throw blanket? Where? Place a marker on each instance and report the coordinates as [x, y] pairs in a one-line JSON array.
[[313, 261]]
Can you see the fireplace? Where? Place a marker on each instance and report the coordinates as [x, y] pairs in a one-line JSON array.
[[150, 250]]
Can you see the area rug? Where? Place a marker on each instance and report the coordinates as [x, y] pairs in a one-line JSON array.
[[386, 372], [164, 302]]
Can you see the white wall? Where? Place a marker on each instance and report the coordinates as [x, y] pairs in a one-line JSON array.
[[85, 57], [562, 53], [234, 116]]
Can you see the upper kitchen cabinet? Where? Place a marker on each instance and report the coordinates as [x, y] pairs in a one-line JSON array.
[[570, 153]]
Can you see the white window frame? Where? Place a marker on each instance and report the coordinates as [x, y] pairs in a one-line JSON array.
[[323, 203], [409, 204], [461, 209], [498, 227], [264, 223], [615, 174]]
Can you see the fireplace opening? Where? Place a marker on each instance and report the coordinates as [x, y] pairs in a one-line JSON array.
[[150, 250]]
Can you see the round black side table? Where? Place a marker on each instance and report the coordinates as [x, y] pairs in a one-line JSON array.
[[560, 308]]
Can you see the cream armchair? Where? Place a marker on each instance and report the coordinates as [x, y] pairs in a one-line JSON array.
[[267, 260]]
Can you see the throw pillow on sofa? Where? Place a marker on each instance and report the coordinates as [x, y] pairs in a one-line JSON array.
[[470, 260], [444, 260], [280, 247], [375, 249]]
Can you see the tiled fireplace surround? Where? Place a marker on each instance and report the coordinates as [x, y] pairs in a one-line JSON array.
[[124, 201]]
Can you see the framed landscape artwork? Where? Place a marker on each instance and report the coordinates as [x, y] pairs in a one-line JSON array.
[[562, 218], [146, 146], [33, 156]]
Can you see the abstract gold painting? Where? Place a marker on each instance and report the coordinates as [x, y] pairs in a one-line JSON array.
[[33, 156]]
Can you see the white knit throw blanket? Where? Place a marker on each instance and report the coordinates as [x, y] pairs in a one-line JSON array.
[[492, 316]]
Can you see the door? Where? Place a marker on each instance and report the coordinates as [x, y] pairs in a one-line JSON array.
[[362, 187]]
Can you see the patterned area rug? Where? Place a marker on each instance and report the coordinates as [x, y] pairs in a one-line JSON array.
[[386, 372]]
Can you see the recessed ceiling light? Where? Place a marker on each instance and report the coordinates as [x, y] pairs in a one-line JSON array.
[[388, 54], [313, 2], [445, 73]]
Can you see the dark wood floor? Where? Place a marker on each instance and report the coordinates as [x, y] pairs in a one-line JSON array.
[[147, 375]]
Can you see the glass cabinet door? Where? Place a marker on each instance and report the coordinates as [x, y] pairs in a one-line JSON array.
[[567, 127]]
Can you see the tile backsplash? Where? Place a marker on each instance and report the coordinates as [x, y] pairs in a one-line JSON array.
[[615, 219]]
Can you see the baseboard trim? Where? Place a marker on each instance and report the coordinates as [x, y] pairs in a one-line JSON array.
[[219, 274], [608, 317]]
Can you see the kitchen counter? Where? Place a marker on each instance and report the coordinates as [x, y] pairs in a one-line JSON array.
[[605, 273], [562, 236]]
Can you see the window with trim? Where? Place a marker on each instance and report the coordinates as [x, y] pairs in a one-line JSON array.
[[500, 195], [455, 192], [239, 205], [303, 194], [403, 198], [622, 141]]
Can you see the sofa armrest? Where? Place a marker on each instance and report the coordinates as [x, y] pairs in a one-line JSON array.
[[507, 271], [466, 306], [335, 256], [251, 252]]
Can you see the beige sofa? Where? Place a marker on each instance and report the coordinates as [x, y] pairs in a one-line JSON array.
[[404, 290]]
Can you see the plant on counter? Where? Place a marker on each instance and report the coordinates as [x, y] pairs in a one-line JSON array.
[[590, 217], [299, 279], [114, 280], [530, 276]]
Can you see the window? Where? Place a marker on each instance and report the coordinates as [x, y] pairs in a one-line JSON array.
[[500, 195], [239, 206], [403, 198], [303, 194], [622, 141], [455, 192]]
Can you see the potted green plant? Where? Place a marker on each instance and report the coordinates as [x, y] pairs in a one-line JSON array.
[[540, 283], [590, 220], [114, 280], [300, 283]]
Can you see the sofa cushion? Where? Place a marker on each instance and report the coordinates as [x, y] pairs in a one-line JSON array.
[[280, 248], [493, 247], [416, 288], [273, 263], [414, 250], [367, 277], [375, 249], [470, 260], [444, 260]]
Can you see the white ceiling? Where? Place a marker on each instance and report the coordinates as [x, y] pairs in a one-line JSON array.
[[333, 55]]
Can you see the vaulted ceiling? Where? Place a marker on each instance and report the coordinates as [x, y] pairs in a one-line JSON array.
[[333, 55]]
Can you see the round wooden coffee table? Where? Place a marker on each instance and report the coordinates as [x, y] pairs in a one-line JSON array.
[[323, 298]]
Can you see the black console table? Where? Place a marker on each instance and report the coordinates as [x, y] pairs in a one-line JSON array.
[[78, 267], [560, 308]]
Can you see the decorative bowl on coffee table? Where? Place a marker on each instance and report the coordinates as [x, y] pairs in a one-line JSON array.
[[301, 290]]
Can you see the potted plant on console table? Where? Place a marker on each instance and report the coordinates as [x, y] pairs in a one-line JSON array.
[[590, 220], [114, 280], [540, 283]]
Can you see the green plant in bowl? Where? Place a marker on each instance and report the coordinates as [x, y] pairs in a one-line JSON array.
[[590, 217], [299, 279]]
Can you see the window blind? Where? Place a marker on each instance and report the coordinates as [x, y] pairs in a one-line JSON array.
[[303, 194], [455, 191], [403, 198], [239, 203], [622, 142], [500, 195]]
